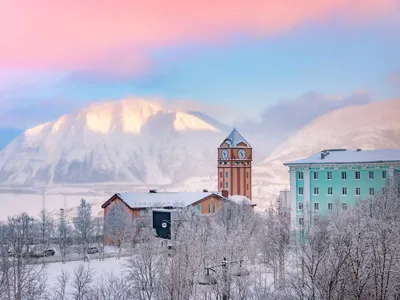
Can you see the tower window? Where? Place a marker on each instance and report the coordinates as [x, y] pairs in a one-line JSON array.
[[226, 174], [220, 184], [226, 184], [247, 174], [220, 174]]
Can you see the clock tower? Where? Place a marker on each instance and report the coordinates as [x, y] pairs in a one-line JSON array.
[[234, 165]]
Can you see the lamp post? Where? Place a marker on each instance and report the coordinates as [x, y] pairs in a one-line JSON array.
[[209, 280]]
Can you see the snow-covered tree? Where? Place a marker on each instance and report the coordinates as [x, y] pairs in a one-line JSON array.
[[83, 225], [118, 225]]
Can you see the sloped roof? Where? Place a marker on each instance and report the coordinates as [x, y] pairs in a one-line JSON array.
[[162, 199], [235, 138], [350, 156], [171, 199]]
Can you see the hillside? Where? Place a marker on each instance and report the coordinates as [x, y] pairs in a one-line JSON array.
[[132, 140], [371, 126]]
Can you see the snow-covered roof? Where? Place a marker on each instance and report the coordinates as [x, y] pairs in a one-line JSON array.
[[235, 138], [163, 199], [172, 199], [239, 199], [338, 156]]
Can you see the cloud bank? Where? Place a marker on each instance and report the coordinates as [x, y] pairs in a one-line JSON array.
[[113, 36]]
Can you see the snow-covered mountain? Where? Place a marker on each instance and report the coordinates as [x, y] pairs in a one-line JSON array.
[[132, 140], [371, 126]]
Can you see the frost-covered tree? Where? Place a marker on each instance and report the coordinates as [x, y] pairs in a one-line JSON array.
[[118, 225], [83, 226], [98, 232], [22, 276]]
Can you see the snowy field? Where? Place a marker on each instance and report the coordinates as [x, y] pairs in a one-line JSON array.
[[100, 268]]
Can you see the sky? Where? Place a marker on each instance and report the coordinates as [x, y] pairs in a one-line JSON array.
[[230, 58]]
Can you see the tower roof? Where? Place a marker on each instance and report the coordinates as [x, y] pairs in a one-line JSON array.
[[235, 138]]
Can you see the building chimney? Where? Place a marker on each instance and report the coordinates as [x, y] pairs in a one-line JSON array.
[[225, 193], [205, 191], [153, 191]]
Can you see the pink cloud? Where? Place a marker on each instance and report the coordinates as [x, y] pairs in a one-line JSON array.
[[110, 34]]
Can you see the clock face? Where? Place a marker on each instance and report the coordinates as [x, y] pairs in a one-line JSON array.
[[224, 154], [241, 153]]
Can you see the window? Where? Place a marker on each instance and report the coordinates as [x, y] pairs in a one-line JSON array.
[[226, 174], [301, 190], [142, 212], [300, 205], [344, 191], [371, 191], [247, 175], [226, 185], [214, 207], [198, 207], [220, 174], [330, 191], [344, 206], [209, 208], [384, 174], [316, 191], [316, 206], [301, 175], [358, 191], [330, 206], [371, 174], [344, 175], [301, 221], [329, 175], [315, 175], [357, 175]]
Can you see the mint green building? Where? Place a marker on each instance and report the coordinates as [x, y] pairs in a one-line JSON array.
[[334, 179]]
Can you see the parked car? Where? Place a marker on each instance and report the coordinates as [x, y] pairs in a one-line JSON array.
[[45, 253], [92, 250]]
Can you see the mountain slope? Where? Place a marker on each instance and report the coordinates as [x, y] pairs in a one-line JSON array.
[[131, 141], [371, 126]]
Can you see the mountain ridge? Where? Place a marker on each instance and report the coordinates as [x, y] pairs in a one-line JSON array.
[[132, 140]]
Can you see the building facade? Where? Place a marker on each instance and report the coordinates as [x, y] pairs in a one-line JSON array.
[[140, 205], [333, 180], [234, 165]]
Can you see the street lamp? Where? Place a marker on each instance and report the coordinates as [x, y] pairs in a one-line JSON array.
[[208, 279]]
